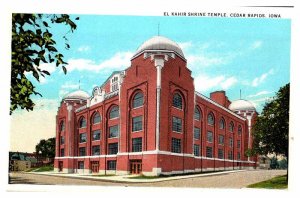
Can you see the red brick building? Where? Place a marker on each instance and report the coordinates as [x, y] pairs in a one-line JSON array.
[[149, 119]]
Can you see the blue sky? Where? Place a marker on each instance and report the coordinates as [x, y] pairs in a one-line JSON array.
[[223, 54]]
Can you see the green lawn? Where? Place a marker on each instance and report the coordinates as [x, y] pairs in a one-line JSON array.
[[278, 182], [42, 169]]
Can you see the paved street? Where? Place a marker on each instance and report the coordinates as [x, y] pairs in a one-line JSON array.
[[229, 180]]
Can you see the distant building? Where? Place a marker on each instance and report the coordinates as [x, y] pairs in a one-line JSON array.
[[19, 161], [148, 119]]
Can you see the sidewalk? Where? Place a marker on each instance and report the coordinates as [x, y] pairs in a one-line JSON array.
[[129, 178]]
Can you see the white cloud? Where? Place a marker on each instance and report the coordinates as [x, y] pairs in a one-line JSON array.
[[262, 78], [70, 85], [256, 45], [83, 48], [120, 60], [185, 45], [205, 82], [202, 60], [259, 94]]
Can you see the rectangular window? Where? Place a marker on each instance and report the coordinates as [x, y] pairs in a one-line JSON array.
[[137, 145], [137, 124], [197, 133], [62, 140], [221, 139], [239, 156], [114, 131], [209, 152], [196, 150], [62, 152], [80, 165], [112, 165], [82, 151], [230, 142], [96, 150], [96, 135], [176, 145], [230, 156], [112, 148], [220, 154], [177, 124], [82, 137], [239, 144], [209, 136]]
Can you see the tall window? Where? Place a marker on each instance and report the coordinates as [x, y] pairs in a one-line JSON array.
[[239, 144], [230, 155], [197, 114], [113, 131], [137, 144], [240, 130], [220, 154], [210, 119], [82, 122], [196, 150], [82, 151], [209, 152], [62, 126], [197, 133], [96, 150], [114, 112], [96, 118], [177, 101], [222, 124], [82, 137], [62, 152], [221, 139], [112, 148], [209, 136], [230, 142], [62, 140], [137, 124], [177, 124], [239, 156], [176, 145], [80, 165], [231, 127], [138, 100], [111, 165], [96, 135]]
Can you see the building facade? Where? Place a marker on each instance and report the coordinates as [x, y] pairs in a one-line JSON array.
[[148, 119]]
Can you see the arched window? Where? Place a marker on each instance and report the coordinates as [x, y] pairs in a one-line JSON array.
[[177, 101], [138, 100], [114, 112], [210, 119], [62, 126], [96, 118], [231, 126], [222, 124], [197, 114], [82, 122], [240, 130]]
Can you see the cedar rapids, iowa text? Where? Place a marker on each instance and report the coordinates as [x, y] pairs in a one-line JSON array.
[[218, 14]]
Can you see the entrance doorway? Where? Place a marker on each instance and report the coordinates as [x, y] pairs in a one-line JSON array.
[[135, 166], [60, 166], [95, 166]]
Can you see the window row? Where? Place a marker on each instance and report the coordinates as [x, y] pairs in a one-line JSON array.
[[111, 165]]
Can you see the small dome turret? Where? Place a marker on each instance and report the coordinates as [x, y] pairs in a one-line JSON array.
[[77, 95], [241, 105]]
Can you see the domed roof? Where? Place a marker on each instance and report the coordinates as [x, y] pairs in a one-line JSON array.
[[241, 105], [160, 43], [79, 94]]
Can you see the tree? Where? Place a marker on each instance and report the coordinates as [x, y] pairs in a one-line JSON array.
[[46, 148], [271, 130], [33, 44]]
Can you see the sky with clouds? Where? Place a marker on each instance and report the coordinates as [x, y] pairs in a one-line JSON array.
[[231, 54]]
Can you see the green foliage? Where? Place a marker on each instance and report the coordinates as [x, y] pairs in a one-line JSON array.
[[279, 182], [282, 164], [271, 130], [43, 169], [46, 148], [33, 44], [274, 163]]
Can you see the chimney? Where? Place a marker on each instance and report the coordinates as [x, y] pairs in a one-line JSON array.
[[220, 98]]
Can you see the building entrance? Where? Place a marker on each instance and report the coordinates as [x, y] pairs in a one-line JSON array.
[[135, 166], [95, 166], [60, 166]]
